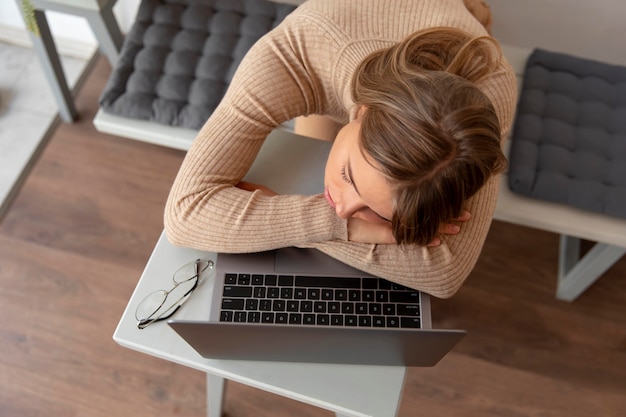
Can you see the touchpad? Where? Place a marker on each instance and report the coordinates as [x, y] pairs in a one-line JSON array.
[[311, 261]]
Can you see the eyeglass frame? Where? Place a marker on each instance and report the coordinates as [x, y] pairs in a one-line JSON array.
[[142, 323]]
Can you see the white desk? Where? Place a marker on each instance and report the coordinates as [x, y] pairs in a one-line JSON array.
[[347, 390]]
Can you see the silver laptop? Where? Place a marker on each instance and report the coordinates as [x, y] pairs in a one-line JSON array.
[[300, 305]]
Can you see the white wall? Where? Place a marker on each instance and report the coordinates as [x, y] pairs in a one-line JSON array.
[[593, 29], [65, 28], [588, 28]]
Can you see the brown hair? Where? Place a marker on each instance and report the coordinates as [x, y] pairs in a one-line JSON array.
[[432, 132]]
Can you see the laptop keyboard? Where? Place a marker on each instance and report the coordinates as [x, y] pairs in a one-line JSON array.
[[322, 301]]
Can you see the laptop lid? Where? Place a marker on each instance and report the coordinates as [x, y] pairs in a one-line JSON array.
[[332, 345]]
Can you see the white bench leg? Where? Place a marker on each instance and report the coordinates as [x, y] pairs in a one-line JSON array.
[[215, 395], [576, 274]]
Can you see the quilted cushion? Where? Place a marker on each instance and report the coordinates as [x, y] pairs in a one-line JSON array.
[[569, 139], [180, 55]]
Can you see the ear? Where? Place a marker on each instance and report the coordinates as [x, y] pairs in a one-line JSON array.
[[360, 111]]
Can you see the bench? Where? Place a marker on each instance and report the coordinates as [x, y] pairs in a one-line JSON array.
[[575, 273]]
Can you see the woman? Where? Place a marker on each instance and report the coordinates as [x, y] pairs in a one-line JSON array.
[[424, 97]]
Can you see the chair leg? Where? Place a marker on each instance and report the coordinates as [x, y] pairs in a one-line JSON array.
[[106, 30], [53, 69], [576, 274], [215, 386]]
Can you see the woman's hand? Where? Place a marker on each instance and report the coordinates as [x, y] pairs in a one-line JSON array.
[[368, 232], [451, 228], [248, 186]]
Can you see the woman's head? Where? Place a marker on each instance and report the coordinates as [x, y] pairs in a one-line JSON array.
[[426, 127]]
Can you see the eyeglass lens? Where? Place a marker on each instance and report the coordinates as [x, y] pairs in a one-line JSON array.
[[162, 304]]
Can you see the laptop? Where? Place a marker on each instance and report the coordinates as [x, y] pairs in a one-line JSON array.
[[300, 305]]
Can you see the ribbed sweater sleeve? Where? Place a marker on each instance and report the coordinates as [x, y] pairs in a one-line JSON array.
[[304, 67]]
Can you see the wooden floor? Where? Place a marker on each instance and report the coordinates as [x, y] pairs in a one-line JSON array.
[[76, 240]]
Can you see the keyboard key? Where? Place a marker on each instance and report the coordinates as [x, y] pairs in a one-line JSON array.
[[319, 307], [323, 319], [273, 292], [404, 296], [350, 320], [306, 306], [341, 295], [226, 315], [327, 294], [409, 310], [257, 279], [295, 318], [271, 280], [370, 283], [237, 291], [265, 305], [334, 307], [313, 294], [360, 308], [282, 318], [233, 303], [308, 319], [378, 321], [399, 287], [244, 279], [382, 296], [393, 321], [252, 304], [230, 279], [354, 295], [336, 320], [278, 305], [411, 322], [347, 308], [365, 321], [375, 309], [259, 292], [389, 309], [327, 282], [267, 317], [285, 280], [293, 305], [368, 296], [286, 293], [299, 293], [254, 317], [240, 317], [383, 284]]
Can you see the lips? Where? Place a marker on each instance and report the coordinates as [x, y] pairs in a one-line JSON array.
[[329, 198]]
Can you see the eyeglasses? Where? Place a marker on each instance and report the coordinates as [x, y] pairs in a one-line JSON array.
[[156, 307]]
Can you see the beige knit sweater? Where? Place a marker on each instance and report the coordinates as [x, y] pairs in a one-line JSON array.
[[304, 67]]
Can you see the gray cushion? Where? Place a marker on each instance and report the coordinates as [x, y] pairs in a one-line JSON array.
[[180, 55], [569, 139]]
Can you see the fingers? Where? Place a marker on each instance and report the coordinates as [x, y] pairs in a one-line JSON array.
[[450, 228], [465, 216]]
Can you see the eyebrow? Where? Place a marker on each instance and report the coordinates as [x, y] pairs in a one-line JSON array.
[[349, 166]]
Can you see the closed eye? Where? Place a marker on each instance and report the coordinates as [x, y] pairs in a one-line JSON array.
[[344, 175]]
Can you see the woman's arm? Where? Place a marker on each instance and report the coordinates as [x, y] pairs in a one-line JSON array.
[[274, 83]]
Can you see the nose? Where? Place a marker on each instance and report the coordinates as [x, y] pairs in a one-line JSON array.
[[348, 206]]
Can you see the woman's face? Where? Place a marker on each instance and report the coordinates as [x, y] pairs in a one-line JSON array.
[[354, 186]]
